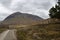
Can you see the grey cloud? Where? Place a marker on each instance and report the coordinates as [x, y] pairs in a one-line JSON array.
[[6, 2], [35, 4], [46, 5], [39, 4], [35, 7], [3, 16]]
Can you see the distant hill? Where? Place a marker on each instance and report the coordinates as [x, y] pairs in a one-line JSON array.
[[22, 18]]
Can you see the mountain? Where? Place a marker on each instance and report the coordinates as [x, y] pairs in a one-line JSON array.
[[21, 18]]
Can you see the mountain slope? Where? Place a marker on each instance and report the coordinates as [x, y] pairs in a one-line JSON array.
[[21, 18]]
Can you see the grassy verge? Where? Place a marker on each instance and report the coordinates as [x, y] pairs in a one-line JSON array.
[[2, 29], [49, 32]]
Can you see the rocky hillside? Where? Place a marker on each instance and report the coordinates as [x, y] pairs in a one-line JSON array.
[[21, 18]]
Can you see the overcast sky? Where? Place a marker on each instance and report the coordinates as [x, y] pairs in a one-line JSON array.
[[35, 7]]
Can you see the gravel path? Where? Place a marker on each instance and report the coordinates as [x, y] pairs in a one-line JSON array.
[[8, 35]]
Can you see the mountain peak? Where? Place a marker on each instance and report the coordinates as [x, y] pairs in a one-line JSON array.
[[22, 18]]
